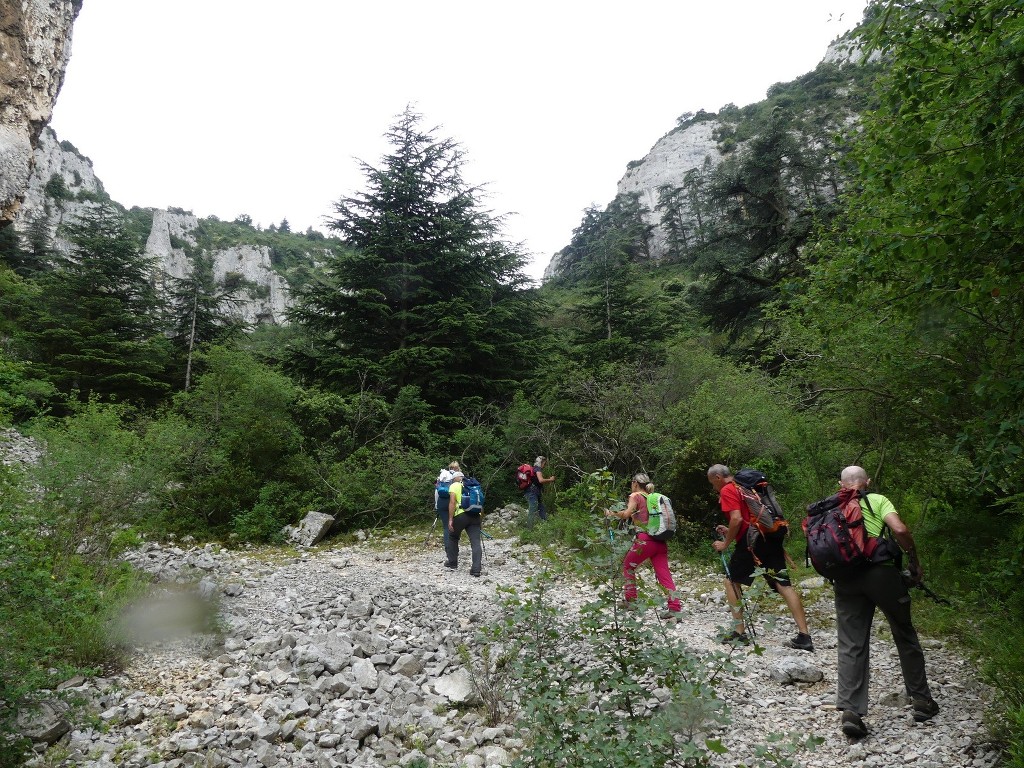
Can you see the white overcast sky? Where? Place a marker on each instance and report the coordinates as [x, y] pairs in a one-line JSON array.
[[224, 107]]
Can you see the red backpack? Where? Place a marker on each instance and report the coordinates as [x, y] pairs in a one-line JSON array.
[[838, 543], [524, 476]]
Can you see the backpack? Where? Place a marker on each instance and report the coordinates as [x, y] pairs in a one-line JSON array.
[[764, 515], [441, 485], [524, 476], [472, 496], [838, 543], [661, 520]]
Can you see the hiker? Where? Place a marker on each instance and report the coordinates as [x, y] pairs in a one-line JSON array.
[[458, 521], [441, 486], [535, 490], [767, 553], [644, 547], [857, 595]]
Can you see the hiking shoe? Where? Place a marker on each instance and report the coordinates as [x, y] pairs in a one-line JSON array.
[[736, 638], [474, 574], [852, 725], [670, 615], [925, 710], [802, 642], [450, 566]]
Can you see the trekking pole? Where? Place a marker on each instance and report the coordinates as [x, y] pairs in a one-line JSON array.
[[739, 593], [924, 588], [430, 532]]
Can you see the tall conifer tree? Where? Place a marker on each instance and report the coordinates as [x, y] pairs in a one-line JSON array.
[[428, 295], [94, 330]]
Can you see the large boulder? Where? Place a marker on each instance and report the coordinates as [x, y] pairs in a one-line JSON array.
[[314, 526], [44, 722]]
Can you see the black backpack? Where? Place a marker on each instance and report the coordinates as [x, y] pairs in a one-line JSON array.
[[838, 543]]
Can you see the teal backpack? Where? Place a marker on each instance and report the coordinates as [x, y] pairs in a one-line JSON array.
[[472, 496]]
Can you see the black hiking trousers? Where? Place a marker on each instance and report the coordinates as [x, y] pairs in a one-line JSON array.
[[857, 597], [471, 525]]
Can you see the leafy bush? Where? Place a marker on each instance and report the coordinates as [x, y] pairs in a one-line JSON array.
[[57, 606], [93, 478], [279, 504], [379, 485], [225, 439]]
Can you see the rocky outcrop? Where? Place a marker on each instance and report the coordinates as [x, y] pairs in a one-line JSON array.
[[63, 186], [35, 45], [670, 159], [259, 295], [690, 146]]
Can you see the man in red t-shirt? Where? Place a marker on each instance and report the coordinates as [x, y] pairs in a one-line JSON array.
[[767, 552]]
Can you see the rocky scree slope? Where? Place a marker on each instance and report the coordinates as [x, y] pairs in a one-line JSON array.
[[347, 655]]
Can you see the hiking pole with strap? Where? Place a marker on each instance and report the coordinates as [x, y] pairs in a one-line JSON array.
[[430, 532], [924, 588], [739, 592]]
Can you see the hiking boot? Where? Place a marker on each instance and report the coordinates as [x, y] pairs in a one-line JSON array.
[[450, 566], [736, 638], [852, 725], [477, 574], [924, 710], [670, 615], [802, 642]]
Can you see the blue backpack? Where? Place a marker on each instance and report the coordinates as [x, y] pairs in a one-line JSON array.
[[442, 486], [472, 496]]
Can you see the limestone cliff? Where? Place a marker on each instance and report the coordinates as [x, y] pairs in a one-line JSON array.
[[35, 45], [63, 186], [262, 295], [692, 146]]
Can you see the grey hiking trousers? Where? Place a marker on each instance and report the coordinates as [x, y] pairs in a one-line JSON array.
[[856, 599]]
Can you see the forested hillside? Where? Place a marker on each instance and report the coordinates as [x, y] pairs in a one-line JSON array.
[[850, 294]]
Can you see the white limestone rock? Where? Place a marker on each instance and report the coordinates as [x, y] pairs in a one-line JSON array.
[[35, 40]]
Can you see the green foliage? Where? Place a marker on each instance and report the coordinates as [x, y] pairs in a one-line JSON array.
[[582, 685], [61, 589], [384, 484], [233, 433], [21, 397], [936, 220], [279, 504], [94, 477], [93, 328], [57, 189]]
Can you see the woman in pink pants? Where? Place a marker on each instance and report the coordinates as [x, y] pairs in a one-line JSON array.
[[644, 547]]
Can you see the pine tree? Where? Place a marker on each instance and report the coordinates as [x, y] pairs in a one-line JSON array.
[[94, 329], [428, 295], [197, 305]]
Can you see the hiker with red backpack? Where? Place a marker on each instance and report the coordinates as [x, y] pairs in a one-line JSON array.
[[756, 546], [869, 578], [647, 545], [531, 481]]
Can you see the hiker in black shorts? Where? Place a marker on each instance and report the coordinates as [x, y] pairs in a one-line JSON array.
[[768, 552]]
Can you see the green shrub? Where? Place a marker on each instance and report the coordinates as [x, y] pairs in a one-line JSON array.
[[380, 485], [279, 504], [56, 608], [94, 477]]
